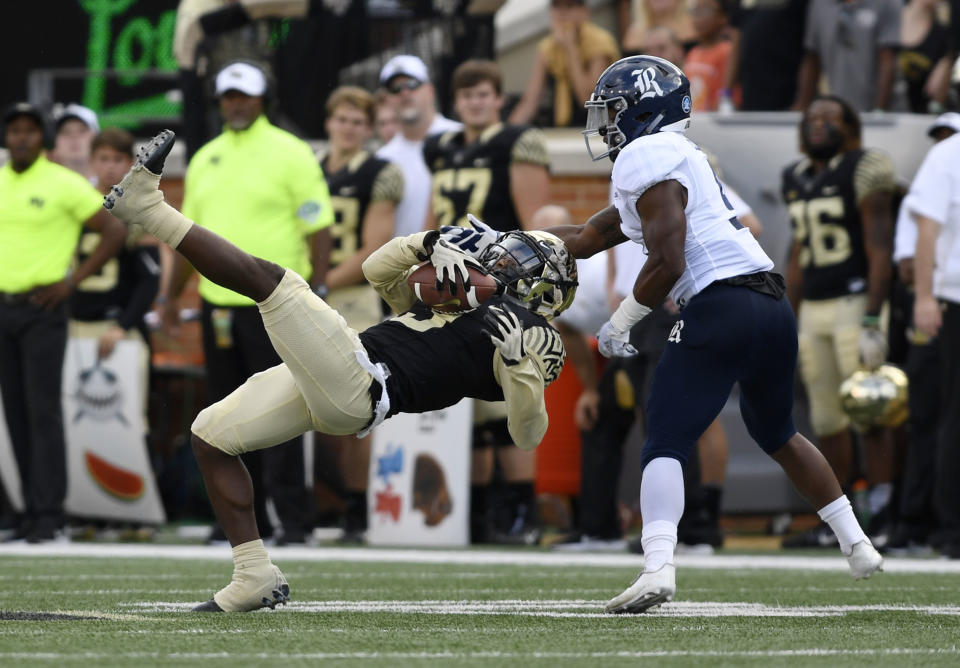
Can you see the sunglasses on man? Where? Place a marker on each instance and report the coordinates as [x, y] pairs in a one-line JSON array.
[[399, 86]]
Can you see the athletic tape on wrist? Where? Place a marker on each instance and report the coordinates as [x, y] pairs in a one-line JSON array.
[[628, 314]]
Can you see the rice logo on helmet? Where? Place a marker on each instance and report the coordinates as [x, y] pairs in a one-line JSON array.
[[647, 83]]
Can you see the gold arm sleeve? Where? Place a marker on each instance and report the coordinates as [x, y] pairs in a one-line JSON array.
[[873, 173], [387, 269], [526, 410], [531, 147], [523, 384], [388, 185]]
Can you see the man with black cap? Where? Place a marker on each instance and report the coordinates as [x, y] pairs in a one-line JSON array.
[[407, 82], [261, 188], [43, 207]]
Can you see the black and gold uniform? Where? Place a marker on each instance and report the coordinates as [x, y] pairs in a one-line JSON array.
[[825, 211], [475, 178], [364, 180], [825, 214], [332, 378], [436, 359], [122, 291]]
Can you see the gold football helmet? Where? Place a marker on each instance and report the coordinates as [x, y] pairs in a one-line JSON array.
[[876, 398]]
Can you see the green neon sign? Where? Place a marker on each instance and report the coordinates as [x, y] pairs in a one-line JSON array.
[[140, 45]]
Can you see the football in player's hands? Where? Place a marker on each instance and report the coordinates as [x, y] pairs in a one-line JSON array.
[[423, 282]]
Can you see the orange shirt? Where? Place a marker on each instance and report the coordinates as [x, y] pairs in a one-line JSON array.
[[706, 67]]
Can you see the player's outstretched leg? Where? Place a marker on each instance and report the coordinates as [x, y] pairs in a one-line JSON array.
[[810, 473], [137, 200], [256, 582]]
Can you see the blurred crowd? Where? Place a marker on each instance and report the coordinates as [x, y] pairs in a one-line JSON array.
[[393, 165]]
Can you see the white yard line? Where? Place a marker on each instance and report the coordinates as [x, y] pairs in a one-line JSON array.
[[831, 562], [566, 608]]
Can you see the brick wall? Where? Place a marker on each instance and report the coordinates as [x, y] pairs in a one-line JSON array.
[[581, 195]]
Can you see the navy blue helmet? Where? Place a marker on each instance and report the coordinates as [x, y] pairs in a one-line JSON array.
[[636, 96]]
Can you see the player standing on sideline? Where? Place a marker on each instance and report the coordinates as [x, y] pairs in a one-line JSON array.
[[499, 173], [838, 277], [338, 381], [734, 323], [364, 192]]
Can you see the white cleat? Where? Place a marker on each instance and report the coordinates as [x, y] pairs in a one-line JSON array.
[[648, 590], [137, 191], [864, 560]]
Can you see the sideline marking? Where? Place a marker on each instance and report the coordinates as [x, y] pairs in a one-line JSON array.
[[835, 562]]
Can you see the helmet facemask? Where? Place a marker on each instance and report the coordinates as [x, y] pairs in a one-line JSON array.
[[535, 268]]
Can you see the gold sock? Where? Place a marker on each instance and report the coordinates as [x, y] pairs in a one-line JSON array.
[[142, 204]]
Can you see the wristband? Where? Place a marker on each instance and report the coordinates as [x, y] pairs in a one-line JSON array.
[[871, 321], [628, 314]]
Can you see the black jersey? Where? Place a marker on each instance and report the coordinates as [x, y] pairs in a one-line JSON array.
[[364, 180], [824, 211], [435, 360], [475, 178], [123, 289]]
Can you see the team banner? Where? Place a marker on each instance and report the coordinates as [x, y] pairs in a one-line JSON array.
[[108, 470], [418, 492]]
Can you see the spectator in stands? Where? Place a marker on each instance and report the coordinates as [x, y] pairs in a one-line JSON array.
[[364, 192], [262, 189], [924, 58], [76, 127], [932, 201], [839, 197], [498, 172], [43, 207], [670, 14], [408, 83], [111, 304], [386, 124], [852, 42], [568, 63], [706, 63], [916, 518], [767, 49], [659, 41]]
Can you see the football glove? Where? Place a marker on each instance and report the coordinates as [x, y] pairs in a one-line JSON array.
[[873, 345], [614, 343], [451, 265], [506, 333]]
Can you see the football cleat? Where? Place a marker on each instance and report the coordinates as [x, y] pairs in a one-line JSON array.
[[864, 560], [648, 590], [150, 157], [248, 591]]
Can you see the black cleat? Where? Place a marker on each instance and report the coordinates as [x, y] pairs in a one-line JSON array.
[[209, 606], [153, 154]]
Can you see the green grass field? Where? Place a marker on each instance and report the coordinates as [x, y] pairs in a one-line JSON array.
[[369, 607]]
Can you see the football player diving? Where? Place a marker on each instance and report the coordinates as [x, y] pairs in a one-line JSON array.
[[337, 381], [735, 325]]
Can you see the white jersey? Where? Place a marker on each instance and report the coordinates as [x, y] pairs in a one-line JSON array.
[[714, 248]]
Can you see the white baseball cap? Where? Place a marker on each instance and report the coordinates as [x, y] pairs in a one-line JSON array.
[[950, 119], [410, 66], [83, 114], [244, 77]]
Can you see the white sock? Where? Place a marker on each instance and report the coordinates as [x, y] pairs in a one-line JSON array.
[[839, 515], [661, 504]]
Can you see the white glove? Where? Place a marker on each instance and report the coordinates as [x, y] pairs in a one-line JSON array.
[[873, 346], [506, 333], [451, 265], [614, 343], [471, 240]]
